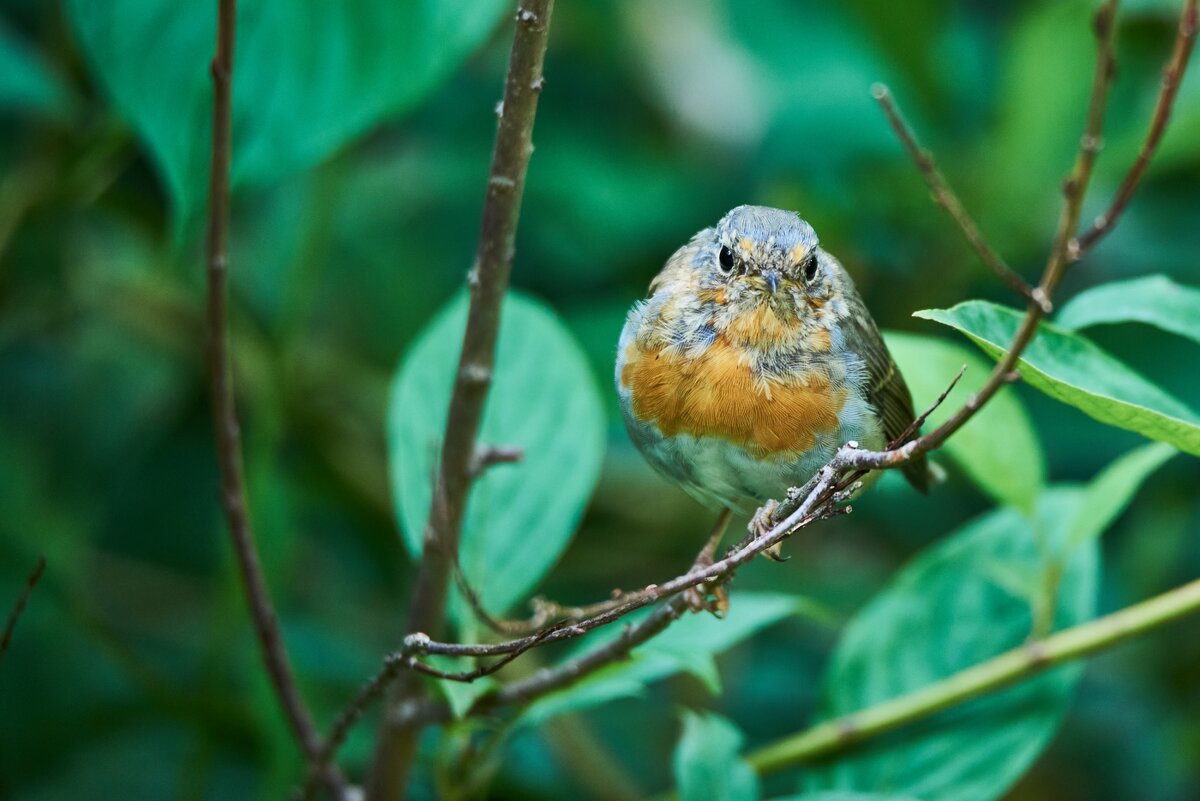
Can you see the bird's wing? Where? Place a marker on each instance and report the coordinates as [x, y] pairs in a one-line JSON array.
[[886, 390]]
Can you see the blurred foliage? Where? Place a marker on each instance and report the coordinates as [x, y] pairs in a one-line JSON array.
[[362, 138], [707, 767]]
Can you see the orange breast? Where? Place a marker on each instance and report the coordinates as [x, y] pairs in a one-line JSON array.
[[717, 394]]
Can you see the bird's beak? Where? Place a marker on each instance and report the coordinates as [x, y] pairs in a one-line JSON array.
[[772, 279]]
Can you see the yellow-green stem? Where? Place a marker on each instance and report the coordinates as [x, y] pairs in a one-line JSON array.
[[841, 733]]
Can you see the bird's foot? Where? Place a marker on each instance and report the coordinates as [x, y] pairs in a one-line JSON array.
[[762, 522], [697, 597]]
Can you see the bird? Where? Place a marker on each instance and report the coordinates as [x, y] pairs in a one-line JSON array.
[[752, 360]]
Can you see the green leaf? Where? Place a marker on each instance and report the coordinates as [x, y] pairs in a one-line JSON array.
[[1110, 492], [943, 613], [544, 401], [686, 647], [460, 695], [998, 448], [305, 82], [707, 765], [1154, 300], [1072, 369], [26, 81]]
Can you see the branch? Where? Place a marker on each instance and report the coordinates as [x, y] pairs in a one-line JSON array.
[[1172, 77], [226, 431], [944, 196], [423, 711], [1057, 261], [488, 281], [839, 734], [546, 681], [34, 577]]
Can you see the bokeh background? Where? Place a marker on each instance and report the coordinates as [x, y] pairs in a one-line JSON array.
[[134, 672]]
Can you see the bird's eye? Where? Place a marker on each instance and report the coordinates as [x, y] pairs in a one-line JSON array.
[[725, 257], [810, 267]]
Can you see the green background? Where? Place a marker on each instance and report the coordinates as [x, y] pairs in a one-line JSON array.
[[362, 133]]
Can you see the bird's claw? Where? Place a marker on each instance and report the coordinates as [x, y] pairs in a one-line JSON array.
[[761, 524], [775, 553], [698, 600]]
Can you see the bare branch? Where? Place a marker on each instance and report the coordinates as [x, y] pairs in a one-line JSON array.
[[944, 196], [1172, 77], [844, 489], [423, 711], [488, 282], [19, 607], [227, 433], [1074, 189], [915, 425]]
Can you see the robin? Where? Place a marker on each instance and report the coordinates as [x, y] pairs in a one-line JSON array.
[[752, 360]]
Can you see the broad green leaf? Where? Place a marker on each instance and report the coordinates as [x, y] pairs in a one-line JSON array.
[[998, 448], [1072, 369], [688, 646], [941, 614], [1086, 513], [1108, 493], [543, 400], [306, 79], [26, 81], [707, 765], [1154, 300]]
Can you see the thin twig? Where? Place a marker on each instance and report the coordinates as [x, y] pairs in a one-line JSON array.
[[488, 282], [494, 455], [393, 665], [944, 196], [1185, 39], [545, 612], [839, 734], [912, 428], [19, 607], [1104, 25], [915, 425], [227, 433]]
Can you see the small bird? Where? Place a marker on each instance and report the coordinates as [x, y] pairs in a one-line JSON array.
[[752, 360]]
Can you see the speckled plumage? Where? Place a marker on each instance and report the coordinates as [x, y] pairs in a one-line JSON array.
[[752, 360]]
